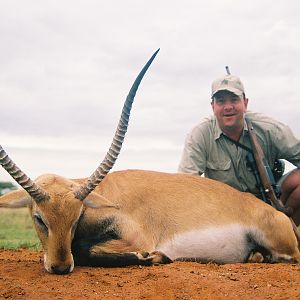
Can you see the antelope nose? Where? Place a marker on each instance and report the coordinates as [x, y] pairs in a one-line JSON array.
[[60, 270]]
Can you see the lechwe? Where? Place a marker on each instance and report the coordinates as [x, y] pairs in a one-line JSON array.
[[144, 217]]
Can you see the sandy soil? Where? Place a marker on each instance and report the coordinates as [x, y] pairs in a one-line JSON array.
[[22, 276]]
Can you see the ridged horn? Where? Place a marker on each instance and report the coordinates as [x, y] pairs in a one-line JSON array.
[[114, 150], [21, 178]]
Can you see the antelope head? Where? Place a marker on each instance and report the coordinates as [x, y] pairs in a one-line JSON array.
[[56, 203]]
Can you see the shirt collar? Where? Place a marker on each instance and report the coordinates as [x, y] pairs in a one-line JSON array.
[[217, 129]]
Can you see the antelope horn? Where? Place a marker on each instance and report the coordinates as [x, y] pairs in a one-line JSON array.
[[21, 178], [114, 150]]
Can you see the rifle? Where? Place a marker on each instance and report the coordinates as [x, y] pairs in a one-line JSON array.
[[267, 178]]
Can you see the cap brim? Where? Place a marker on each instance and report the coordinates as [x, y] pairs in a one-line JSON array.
[[232, 90]]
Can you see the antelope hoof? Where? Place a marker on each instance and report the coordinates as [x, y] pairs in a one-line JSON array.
[[255, 257], [153, 258], [158, 257]]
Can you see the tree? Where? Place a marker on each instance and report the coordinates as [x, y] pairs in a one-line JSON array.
[[6, 186]]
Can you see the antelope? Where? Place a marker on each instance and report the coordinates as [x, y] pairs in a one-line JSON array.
[[145, 217]]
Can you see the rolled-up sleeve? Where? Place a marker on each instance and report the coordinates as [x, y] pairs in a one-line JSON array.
[[287, 144], [193, 158]]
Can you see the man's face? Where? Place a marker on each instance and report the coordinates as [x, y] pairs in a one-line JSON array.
[[229, 110]]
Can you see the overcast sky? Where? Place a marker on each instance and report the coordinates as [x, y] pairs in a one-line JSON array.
[[66, 68]]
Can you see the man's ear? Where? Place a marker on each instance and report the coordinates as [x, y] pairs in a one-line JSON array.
[[246, 103], [15, 199], [212, 103]]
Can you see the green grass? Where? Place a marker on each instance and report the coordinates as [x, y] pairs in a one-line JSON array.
[[16, 230]]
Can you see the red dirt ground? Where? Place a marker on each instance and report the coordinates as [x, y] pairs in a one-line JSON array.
[[22, 276]]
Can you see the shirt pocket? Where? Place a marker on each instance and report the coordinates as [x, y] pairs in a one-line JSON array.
[[218, 170]]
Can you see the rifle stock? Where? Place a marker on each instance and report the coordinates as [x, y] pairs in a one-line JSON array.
[[264, 172]]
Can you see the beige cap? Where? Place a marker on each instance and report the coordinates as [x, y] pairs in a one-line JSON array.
[[229, 83]]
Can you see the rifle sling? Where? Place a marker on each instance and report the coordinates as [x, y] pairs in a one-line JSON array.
[[238, 144], [273, 198]]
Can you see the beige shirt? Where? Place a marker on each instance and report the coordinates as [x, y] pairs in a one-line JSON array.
[[208, 152]]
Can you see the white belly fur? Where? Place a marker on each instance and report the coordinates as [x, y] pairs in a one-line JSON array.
[[223, 244]]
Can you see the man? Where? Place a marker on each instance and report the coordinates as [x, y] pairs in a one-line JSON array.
[[207, 150]]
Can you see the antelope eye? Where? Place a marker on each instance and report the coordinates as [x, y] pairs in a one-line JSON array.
[[39, 221]]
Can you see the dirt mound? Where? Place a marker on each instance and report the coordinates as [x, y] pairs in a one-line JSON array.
[[22, 276]]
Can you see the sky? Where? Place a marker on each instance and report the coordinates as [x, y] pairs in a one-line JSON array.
[[67, 66]]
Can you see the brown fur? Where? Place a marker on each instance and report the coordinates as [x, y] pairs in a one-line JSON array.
[[143, 209]]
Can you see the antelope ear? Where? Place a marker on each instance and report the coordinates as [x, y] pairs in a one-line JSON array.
[[15, 199], [94, 200]]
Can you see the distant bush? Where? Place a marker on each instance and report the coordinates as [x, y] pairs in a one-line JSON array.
[[6, 186]]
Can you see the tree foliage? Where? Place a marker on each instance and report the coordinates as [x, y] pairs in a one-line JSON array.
[[6, 186]]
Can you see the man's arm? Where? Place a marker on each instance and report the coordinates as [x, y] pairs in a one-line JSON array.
[[266, 177], [192, 159]]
